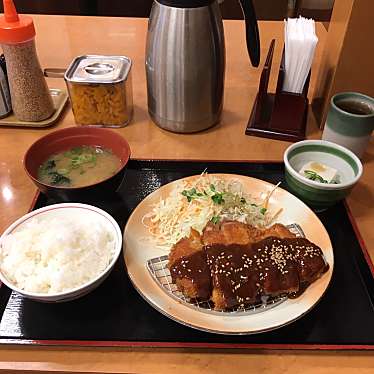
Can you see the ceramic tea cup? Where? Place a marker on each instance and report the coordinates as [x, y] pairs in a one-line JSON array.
[[350, 121]]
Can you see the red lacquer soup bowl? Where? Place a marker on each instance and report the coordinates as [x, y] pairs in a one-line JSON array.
[[65, 139]]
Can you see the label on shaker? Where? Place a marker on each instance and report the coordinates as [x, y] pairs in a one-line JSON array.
[[5, 101]]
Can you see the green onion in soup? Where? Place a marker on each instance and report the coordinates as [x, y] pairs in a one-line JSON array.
[[79, 166]]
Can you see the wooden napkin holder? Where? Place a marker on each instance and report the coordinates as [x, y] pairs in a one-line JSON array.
[[281, 115]]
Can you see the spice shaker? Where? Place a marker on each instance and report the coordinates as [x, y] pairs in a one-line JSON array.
[[31, 99], [100, 90]]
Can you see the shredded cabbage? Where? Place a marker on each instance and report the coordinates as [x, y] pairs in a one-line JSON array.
[[195, 202]]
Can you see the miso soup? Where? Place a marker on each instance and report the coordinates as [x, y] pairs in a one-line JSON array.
[[79, 166]]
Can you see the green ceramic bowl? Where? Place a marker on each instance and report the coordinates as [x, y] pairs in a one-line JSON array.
[[321, 196]]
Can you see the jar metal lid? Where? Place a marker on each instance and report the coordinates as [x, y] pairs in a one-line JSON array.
[[98, 69]]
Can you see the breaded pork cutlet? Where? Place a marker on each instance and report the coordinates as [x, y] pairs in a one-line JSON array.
[[195, 277], [242, 271], [227, 232], [234, 281], [310, 261], [235, 264], [277, 230], [235, 276], [189, 269], [288, 265], [233, 232], [242, 274]]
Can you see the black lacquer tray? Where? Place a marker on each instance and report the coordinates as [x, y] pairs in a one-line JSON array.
[[116, 315]]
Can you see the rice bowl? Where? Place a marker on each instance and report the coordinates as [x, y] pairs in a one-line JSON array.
[[59, 252]]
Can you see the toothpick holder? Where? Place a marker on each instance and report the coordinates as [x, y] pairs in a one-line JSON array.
[[281, 115]]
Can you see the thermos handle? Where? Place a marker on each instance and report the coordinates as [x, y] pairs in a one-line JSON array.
[[54, 72], [251, 30]]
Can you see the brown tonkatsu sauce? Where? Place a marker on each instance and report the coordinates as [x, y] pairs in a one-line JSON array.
[[234, 273], [194, 268], [270, 267], [242, 274]]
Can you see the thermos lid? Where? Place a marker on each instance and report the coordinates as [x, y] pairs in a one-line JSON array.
[[185, 3], [98, 69], [15, 28]]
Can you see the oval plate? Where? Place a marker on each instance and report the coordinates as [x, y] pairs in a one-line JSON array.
[[139, 247]]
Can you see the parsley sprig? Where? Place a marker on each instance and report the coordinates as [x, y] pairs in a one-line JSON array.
[[217, 197], [215, 219], [191, 194]]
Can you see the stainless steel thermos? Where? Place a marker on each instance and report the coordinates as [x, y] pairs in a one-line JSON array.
[[185, 62]]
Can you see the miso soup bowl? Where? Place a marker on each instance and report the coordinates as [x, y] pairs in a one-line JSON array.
[[321, 196], [64, 139]]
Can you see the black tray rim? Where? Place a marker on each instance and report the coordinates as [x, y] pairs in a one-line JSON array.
[[194, 345]]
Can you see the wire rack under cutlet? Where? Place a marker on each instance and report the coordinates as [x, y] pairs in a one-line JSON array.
[[159, 271]]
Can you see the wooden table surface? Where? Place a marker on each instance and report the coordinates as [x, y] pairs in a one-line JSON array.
[[59, 40]]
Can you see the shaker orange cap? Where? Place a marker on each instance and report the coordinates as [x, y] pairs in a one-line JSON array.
[[15, 28]]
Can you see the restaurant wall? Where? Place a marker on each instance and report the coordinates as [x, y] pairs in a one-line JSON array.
[[265, 9], [348, 59]]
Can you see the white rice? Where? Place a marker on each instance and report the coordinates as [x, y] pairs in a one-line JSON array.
[[57, 255]]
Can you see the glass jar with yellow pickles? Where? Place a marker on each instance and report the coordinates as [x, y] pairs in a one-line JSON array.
[[100, 90]]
